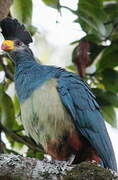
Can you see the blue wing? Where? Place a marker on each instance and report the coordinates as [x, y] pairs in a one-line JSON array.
[[81, 104]]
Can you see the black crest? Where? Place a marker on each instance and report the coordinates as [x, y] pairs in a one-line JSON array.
[[12, 29]]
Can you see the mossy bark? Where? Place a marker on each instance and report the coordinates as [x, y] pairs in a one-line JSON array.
[[23, 168]]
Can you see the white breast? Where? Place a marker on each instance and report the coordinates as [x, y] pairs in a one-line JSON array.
[[43, 114]]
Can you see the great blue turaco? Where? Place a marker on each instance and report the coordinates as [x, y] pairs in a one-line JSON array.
[[58, 108]]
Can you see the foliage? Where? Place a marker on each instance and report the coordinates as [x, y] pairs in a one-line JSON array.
[[98, 19], [22, 10], [52, 3]]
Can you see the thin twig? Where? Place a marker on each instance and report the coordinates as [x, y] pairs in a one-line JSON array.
[[22, 139]]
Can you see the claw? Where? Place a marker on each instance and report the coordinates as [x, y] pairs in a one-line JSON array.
[[48, 158], [71, 159]]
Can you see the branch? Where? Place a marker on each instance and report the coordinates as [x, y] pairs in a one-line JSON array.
[[24, 168], [71, 10], [22, 139]]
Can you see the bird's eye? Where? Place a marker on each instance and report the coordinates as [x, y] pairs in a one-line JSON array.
[[18, 43]]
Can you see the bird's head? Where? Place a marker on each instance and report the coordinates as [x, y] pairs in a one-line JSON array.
[[17, 38], [13, 46]]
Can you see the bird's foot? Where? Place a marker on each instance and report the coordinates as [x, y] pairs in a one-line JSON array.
[[70, 160], [68, 164], [48, 158]]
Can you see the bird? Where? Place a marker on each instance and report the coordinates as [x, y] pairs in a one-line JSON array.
[[58, 109]]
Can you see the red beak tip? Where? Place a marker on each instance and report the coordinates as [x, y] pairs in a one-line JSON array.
[[3, 46]]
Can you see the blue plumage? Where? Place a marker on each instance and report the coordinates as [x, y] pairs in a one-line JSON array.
[[76, 97], [87, 117], [73, 100]]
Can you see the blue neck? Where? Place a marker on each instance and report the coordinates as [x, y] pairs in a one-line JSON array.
[[21, 57], [29, 75]]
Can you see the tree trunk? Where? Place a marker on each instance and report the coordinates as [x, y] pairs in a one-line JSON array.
[[16, 167]]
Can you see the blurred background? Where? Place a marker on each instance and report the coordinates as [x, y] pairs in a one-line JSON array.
[[79, 35]]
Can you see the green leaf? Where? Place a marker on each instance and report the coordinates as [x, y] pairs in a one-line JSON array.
[[17, 145], [39, 155], [52, 3], [106, 98], [92, 38], [22, 10], [16, 105], [1, 67], [114, 36], [109, 115], [92, 16], [7, 110], [111, 9], [72, 68], [94, 51], [108, 58], [31, 29], [110, 80]]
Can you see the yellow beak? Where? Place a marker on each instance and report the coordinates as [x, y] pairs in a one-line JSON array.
[[7, 45]]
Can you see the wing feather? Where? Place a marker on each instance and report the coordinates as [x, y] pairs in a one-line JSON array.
[[81, 104]]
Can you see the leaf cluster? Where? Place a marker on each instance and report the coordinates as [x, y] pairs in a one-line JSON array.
[[98, 20]]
